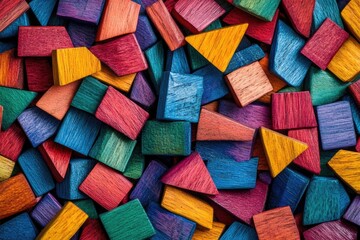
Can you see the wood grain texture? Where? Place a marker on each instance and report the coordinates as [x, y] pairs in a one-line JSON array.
[[135, 167], [11, 70], [176, 61], [325, 9], [93, 230], [141, 91], [6, 168], [42, 10], [258, 151], [88, 206], [155, 56], [354, 90], [10, 11], [81, 35], [12, 30], [331, 231], [19, 227], [238, 230], [45, 210], [12, 141], [39, 74], [350, 16], [354, 112], [261, 9], [209, 234], [145, 34], [353, 212]]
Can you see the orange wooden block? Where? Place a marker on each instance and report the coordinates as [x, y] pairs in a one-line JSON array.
[[11, 70], [10, 10], [216, 127], [248, 84], [213, 106], [15, 196], [56, 101]]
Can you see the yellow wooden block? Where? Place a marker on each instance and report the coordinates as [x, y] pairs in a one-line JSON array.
[[209, 234], [280, 150], [351, 16], [65, 224], [184, 204], [346, 164], [346, 62], [218, 46], [107, 76], [72, 64], [6, 168]]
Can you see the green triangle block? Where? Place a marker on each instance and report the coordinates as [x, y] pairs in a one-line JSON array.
[[14, 102]]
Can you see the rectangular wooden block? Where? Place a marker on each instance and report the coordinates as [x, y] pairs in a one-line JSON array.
[[45, 210], [351, 18], [6, 168], [11, 70], [39, 74], [10, 11], [12, 141]]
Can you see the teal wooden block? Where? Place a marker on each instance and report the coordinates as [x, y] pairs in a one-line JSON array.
[[325, 157], [136, 164], [355, 112], [239, 230], [325, 9], [166, 138], [112, 148], [42, 10], [89, 95], [88, 207], [129, 221], [263, 9], [12, 29], [176, 61], [155, 56]]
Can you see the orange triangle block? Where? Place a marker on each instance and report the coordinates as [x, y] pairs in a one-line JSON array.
[[191, 174], [280, 150], [219, 45]]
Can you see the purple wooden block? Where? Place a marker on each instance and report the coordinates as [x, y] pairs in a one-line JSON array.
[[147, 3], [45, 210], [353, 212], [145, 33], [81, 35], [149, 186], [334, 230], [141, 91], [265, 177], [82, 10]]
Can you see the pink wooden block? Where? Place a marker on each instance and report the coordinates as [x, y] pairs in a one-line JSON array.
[[39, 74], [334, 230], [93, 230], [354, 90]]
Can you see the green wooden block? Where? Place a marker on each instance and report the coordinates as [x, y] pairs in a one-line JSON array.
[[14, 102], [166, 138], [112, 148], [89, 95], [263, 9], [291, 89], [88, 207], [325, 157], [135, 166], [155, 56], [129, 221]]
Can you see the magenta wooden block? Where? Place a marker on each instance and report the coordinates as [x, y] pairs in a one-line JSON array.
[[353, 212], [141, 91], [81, 35], [335, 230]]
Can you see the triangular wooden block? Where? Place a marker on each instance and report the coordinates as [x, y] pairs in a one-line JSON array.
[[191, 174], [218, 46], [72, 64], [280, 150]]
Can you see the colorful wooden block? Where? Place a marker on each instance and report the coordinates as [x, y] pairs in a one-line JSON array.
[[145, 34], [336, 125], [325, 9], [42, 10], [19, 227], [88, 207], [12, 141], [155, 56], [12, 70], [92, 229], [135, 167], [39, 74], [6, 168], [13, 29], [354, 111], [6, 45], [141, 91], [210, 234], [10, 11], [353, 212], [45, 210], [238, 230], [331, 231], [176, 61], [354, 90], [81, 35], [350, 17], [261, 9]]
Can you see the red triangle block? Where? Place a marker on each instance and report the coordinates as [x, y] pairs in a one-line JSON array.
[[191, 174]]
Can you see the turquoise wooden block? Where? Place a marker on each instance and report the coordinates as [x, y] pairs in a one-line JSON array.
[[136, 164], [19, 227], [36, 171], [354, 111], [88, 207], [129, 221], [241, 231], [155, 56], [180, 97], [325, 9], [263, 9], [12, 29], [176, 61], [325, 157], [42, 10]]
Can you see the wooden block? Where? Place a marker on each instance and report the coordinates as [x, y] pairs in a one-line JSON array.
[[14, 102], [52, 38], [42, 10], [149, 186], [19, 227], [214, 126], [354, 90], [155, 56], [265, 177], [81, 35], [145, 34], [88, 207], [4, 46], [209, 234], [123, 55], [191, 174], [225, 41], [353, 212], [345, 63], [331, 231], [168, 225], [176, 61], [325, 157], [135, 167], [325, 9], [170, 4], [1, 115], [238, 230], [344, 198], [180, 97], [230, 174], [39, 74], [350, 17], [92, 229], [258, 151], [354, 112], [45, 210], [65, 224], [336, 126], [6, 168], [261, 9], [184, 204], [213, 106], [165, 24], [12, 30], [10, 11], [12, 141], [331, 37], [243, 204], [15, 196], [12, 70], [290, 149], [72, 64], [278, 223], [141, 91]]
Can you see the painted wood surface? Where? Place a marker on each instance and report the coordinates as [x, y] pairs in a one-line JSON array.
[[19, 227], [209, 234], [81, 35], [10, 11], [353, 212], [350, 16], [12, 70], [238, 230], [331, 231], [45, 210], [42, 10], [12, 142], [39, 74], [141, 91], [6, 168], [145, 33]]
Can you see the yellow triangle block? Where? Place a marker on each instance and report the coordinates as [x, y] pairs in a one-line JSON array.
[[218, 46], [280, 150], [72, 64]]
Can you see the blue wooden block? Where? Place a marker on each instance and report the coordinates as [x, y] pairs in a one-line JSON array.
[[155, 56], [142, 8], [144, 33], [7, 45], [12, 29], [36, 171], [239, 231], [230, 174], [82, 35], [213, 84], [325, 9], [180, 97], [336, 125], [287, 189], [45, 210], [78, 131], [141, 91], [285, 60], [42, 10], [38, 125], [168, 225], [19, 227], [355, 112], [176, 61], [149, 186], [75, 175]]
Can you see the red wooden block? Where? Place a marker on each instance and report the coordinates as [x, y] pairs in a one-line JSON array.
[[223, 215], [310, 159], [39, 74], [10, 10], [12, 141], [121, 113], [197, 15], [354, 90], [1, 114], [93, 230], [292, 110], [258, 29], [106, 186], [300, 14], [324, 44], [170, 4], [11, 70], [298, 219], [123, 55], [191, 174], [357, 147], [41, 41], [57, 157]]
